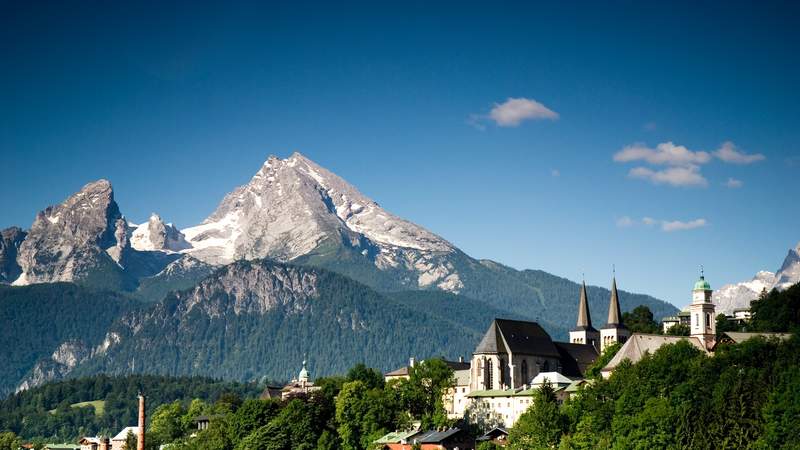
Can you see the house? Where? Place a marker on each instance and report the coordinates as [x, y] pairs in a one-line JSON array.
[[397, 440], [402, 373], [497, 436], [449, 439], [95, 443], [683, 318], [455, 399], [118, 441], [61, 447]]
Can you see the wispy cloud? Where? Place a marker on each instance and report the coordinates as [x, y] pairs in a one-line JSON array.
[[667, 226], [689, 176], [677, 225], [683, 164], [733, 183], [625, 222], [730, 154], [665, 153], [512, 112]]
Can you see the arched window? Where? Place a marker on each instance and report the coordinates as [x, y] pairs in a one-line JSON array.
[[489, 375], [708, 320], [525, 372]]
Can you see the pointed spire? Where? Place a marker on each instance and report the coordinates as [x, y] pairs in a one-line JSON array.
[[584, 317], [614, 314]]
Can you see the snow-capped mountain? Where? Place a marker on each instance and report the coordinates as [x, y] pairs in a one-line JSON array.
[[157, 235], [789, 273], [294, 208], [85, 239], [739, 295]]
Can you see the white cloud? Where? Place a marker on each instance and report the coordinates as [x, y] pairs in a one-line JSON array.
[[665, 153], [555, 172], [733, 183], [515, 110], [730, 154], [674, 176], [677, 225], [649, 221], [625, 221], [667, 226]]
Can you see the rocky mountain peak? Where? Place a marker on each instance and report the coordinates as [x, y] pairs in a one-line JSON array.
[[293, 207], [67, 238], [157, 235], [10, 241], [789, 273]]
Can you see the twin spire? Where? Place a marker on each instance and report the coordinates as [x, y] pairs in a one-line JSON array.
[[614, 314]]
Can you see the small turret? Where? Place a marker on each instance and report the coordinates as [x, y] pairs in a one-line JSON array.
[[584, 332], [615, 330]]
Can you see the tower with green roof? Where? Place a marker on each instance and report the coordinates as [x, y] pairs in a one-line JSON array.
[[703, 324]]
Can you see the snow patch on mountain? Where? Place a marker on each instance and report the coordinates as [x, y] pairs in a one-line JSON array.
[[291, 207], [789, 273], [739, 295], [157, 235]]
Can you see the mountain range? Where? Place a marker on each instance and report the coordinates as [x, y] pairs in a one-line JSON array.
[[739, 295], [293, 212]]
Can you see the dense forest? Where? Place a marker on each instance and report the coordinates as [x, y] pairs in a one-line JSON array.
[[745, 395], [102, 404], [38, 318]]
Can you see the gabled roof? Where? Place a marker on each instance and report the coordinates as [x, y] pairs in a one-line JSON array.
[[494, 433], [554, 378], [122, 435], [639, 344], [395, 437], [435, 437], [739, 337], [576, 358], [455, 365], [518, 337]]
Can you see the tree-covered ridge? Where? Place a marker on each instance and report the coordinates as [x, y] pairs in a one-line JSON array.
[[342, 323], [46, 411], [37, 319]]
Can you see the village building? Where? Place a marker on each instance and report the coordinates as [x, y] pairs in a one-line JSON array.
[[455, 399], [118, 441], [301, 386], [442, 439], [497, 436], [95, 443]]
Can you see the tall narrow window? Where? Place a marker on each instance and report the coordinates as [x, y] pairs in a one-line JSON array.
[[489, 376], [502, 372], [525, 372]]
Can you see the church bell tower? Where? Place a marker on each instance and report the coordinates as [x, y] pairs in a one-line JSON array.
[[584, 332], [703, 321]]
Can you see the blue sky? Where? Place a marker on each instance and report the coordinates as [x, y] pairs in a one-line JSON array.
[[655, 137]]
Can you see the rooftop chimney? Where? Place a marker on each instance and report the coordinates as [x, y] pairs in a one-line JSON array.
[[461, 359], [412, 361], [140, 440]]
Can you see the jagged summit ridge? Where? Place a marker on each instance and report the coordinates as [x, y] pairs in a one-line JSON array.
[[293, 207], [157, 235], [66, 240], [789, 273]]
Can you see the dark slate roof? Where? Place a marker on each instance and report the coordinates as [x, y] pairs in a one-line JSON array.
[[494, 433], [576, 358], [522, 337], [614, 315], [436, 437], [584, 316]]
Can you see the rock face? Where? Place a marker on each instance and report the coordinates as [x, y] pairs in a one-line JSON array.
[[739, 295], [68, 355], [294, 208], [10, 241], [789, 273], [157, 235], [85, 240], [66, 241]]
